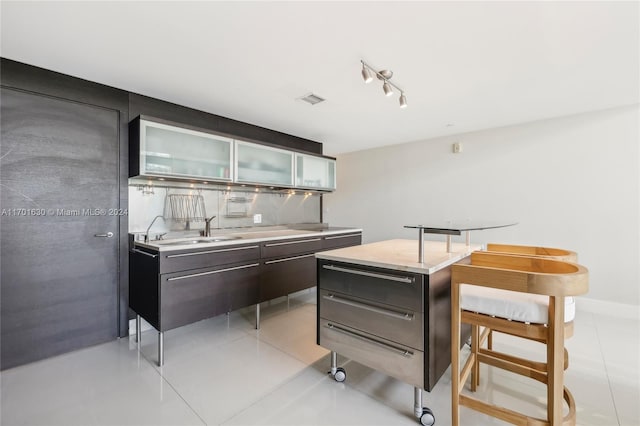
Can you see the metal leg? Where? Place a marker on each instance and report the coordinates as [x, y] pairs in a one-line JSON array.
[[417, 402], [420, 246], [138, 331], [334, 363], [160, 348], [448, 243], [468, 238], [257, 316]]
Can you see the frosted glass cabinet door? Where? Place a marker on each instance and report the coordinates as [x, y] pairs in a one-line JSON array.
[[315, 172], [176, 152], [263, 165]]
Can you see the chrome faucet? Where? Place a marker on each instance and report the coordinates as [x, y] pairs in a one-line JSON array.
[[207, 226], [146, 235]]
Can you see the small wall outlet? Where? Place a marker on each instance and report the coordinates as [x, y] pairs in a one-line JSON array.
[[457, 148], [257, 218]]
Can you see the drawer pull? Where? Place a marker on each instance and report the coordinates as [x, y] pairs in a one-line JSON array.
[[407, 280], [391, 348], [211, 251], [403, 316], [291, 242], [342, 236], [269, 262], [182, 277], [145, 253]]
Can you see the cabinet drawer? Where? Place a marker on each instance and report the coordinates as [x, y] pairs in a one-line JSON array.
[[386, 286], [337, 241], [283, 248], [184, 260], [280, 277], [401, 326], [396, 360], [204, 293]]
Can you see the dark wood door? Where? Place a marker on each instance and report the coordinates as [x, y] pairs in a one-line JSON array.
[[59, 180]]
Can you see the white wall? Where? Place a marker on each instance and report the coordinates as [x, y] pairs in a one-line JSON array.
[[571, 182]]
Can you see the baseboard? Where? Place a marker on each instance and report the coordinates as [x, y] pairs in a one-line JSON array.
[[603, 307]]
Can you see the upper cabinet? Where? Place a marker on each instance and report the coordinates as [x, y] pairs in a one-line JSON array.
[[263, 165], [170, 151], [314, 172], [160, 149]]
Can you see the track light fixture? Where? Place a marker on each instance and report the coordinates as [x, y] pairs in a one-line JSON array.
[[385, 76]]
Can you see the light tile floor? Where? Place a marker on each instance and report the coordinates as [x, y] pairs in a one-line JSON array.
[[223, 372]]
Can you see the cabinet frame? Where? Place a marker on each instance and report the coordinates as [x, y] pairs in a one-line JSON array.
[[138, 146], [327, 160], [236, 172]]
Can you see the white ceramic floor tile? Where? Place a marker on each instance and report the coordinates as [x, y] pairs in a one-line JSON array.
[[294, 332], [105, 384], [314, 398], [224, 381]]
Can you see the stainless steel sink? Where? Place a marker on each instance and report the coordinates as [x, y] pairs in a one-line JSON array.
[[199, 240]]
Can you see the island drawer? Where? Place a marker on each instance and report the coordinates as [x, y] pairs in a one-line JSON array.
[[401, 326], [283, 248], [399, 361], [389, 287], [184, 260]]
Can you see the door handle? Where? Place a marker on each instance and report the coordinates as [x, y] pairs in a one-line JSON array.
[[107, 235]]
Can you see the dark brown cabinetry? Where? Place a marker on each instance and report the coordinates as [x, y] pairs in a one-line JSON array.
[[172, 289], [205, 293], [290, 265], [331, 242]]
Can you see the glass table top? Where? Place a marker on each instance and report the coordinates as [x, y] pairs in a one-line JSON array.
[[457, 227]]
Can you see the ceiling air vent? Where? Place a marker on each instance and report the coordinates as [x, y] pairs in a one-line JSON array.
[[312, 99]]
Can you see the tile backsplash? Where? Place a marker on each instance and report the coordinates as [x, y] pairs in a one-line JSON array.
[[233, 208]]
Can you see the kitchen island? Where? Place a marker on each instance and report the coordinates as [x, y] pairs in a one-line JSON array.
[[379, 306]]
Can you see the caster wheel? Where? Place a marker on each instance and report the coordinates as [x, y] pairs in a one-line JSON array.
[[340, 375], [427, 418]]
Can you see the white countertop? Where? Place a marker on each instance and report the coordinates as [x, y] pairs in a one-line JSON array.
[[256, 236], [400, 255]]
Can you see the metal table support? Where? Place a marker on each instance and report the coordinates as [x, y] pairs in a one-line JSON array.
[[258, 316], [138, 331], [450, 229], [160, 348]]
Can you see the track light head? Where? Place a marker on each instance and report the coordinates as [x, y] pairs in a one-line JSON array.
[[388, 91], [403, 100], [366, 74]]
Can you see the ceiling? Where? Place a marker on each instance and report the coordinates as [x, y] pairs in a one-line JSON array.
[[464, 66]]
